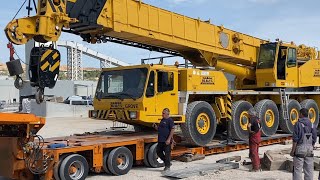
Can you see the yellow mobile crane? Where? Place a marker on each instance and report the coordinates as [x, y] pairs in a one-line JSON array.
[[276, 78]]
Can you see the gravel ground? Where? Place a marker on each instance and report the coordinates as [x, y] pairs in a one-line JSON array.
[[67, 126]]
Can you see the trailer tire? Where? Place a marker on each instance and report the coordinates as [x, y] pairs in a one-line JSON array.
[[268, 114], [153, 158], [79, 164], [201, 124], [293, 111], [120, 161], [145, 159], [240, 120], [313, 110], [56, 174], [105, 161]]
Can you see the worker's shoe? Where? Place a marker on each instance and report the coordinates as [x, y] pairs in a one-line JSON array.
[[255, 170], [166, 169]]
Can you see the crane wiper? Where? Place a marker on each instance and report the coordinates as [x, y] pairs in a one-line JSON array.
[[114, 95], [129, 95]]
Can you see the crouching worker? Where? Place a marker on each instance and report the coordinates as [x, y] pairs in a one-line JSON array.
[[165, 138], [254, 129], [304, 137]]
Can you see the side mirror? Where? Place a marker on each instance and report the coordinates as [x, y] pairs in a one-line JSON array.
[[99, 95]]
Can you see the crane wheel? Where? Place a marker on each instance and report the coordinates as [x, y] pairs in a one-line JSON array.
[[313, 110], [240, 120], [293, 111], [201, 124], [105, 161], [120, 161], [153, 158], [145, 159], [74, 167], [268, 114]]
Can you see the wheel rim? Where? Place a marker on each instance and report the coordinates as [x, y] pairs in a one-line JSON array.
[[203, 123], [312, 115], [76, 170], [269, 118], [294, 116], [123, 161], [244, 120]]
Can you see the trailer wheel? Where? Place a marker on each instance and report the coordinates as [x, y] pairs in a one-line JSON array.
[[105, 161], [56, 174], [268, 115], [293, 111], [240, 119], [74, 167], [145, 159], [153, 158], [201, 124], [120, 161], [313, 110]]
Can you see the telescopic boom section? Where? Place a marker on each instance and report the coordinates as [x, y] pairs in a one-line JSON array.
[[134, 23]]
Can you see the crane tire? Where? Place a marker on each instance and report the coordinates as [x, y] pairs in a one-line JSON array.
[[268, 114], [240, 120], [313, 109], [293, 111], [201, 124]]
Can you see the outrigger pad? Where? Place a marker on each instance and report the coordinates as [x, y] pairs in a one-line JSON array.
[[44, 67]]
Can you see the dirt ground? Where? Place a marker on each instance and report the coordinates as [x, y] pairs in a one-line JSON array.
[[67, 126]]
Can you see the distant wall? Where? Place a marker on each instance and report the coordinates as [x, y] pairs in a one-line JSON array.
[[7, 91], [52, 109]]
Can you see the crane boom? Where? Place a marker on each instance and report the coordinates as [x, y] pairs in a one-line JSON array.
[[133, 21]]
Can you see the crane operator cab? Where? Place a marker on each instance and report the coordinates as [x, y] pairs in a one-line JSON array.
[[277, 66], [136, 94]]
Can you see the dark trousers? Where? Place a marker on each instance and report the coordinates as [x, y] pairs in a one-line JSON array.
[[164, 153], [254, 141]]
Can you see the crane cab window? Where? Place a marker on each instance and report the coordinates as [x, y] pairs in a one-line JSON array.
[[150, 87], [292, 58], [267, 56], [281, 64], [165, 81]]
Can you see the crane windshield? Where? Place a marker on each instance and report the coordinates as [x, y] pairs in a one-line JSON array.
[[122, 84], [267, 56]]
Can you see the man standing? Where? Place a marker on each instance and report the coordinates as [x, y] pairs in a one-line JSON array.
[[304, 137], [165, 136], [254, 139]]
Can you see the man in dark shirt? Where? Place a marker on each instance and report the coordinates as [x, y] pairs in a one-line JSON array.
[[254, 139], [303, 141], [165, 136]]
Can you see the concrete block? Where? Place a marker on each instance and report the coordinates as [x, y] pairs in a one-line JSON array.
[[274, 160], [190, 157], [289, 165], [316, 161]]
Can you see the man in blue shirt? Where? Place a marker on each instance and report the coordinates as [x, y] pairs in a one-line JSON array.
[[304, 137], [165, 136]]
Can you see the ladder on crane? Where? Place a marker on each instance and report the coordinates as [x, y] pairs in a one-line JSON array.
[[284, 104]]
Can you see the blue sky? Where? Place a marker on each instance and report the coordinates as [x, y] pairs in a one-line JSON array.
[[289, 20]]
